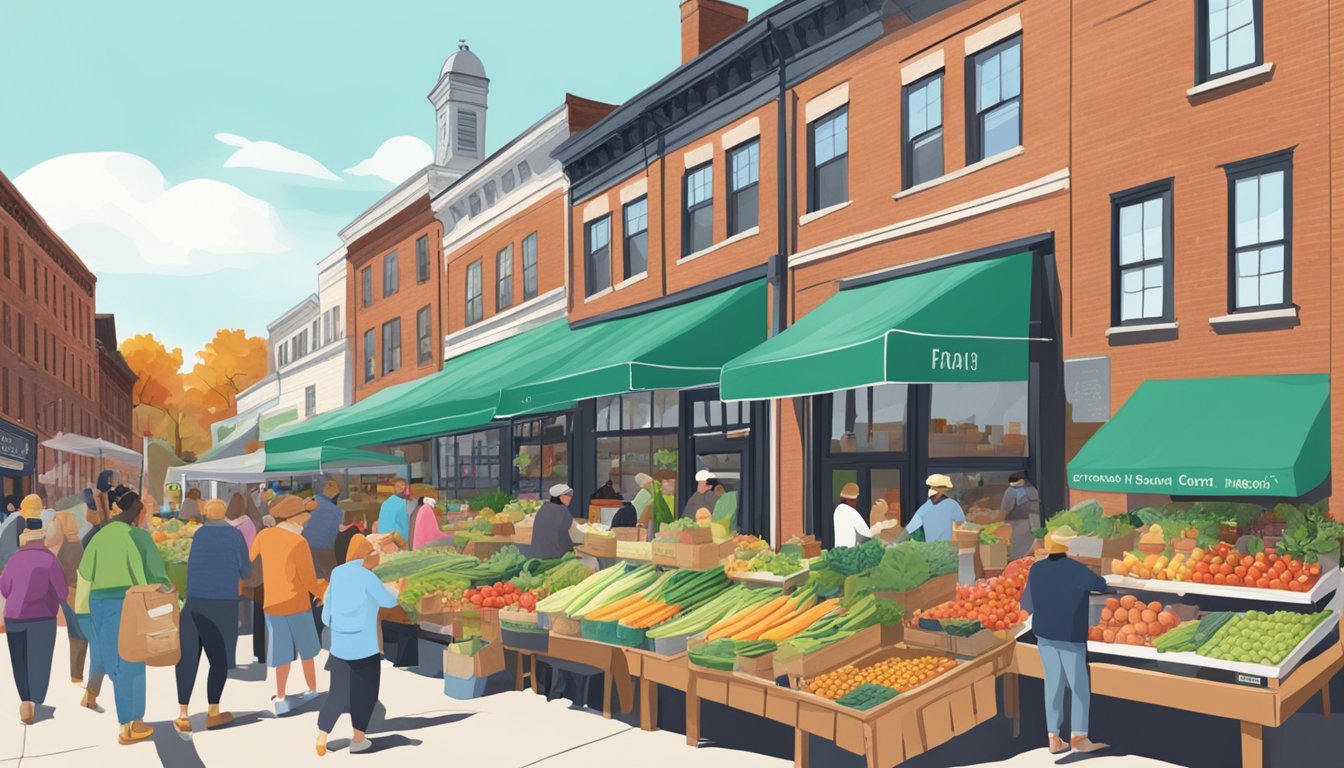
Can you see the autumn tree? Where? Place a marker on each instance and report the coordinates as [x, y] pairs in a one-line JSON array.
[[163, 405], [231, 362]]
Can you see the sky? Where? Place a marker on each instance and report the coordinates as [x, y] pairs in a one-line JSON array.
[[201, 157]]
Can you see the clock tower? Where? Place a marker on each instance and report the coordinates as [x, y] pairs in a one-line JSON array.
[[459, 100]]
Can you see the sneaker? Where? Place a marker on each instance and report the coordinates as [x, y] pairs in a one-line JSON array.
[[1085, 745], [361, 746], [218, 719], [129, 736], [282, 706], [321, 744], [299, 699]]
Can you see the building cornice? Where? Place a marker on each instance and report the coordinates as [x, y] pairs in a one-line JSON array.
[[305, 310], [26, 216], [387, 206]]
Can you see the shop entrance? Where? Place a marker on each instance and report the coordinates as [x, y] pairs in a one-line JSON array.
[[724, 438]]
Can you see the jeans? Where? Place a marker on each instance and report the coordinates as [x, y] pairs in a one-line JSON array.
[[212, 626], [31, 644], [1065, 663], [94, 681], [128, 678], [79, 642], [354, 689]]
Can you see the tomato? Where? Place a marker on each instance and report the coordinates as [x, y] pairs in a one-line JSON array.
[[1275, 584], [477, 600], [1293, 586], [1262, 583], [1240, 571], [1234, 580]]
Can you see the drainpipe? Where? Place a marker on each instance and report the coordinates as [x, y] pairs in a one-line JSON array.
[[777, 270]]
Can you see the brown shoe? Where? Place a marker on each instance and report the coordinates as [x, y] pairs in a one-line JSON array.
[[183, 725], [129, 735], [26, 714], [1057, 745], [140, 730], [1085, 745], [218, 720]]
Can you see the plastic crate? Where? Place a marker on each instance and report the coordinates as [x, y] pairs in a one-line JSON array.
[[632, 638], [601, 631], [464, 687], [525, 639]]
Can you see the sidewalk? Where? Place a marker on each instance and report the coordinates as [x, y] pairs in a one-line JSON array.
[[414, 725]]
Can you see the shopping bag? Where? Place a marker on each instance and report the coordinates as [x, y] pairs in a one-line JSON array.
[[150, 626]]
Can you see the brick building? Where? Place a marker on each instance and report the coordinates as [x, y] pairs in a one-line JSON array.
[[116, 381], [50, 378]]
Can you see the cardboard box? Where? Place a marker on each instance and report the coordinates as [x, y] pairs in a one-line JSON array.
[[1103, 549], [697, 556], [522, 535], [762, 666], [665, 553], [696, 535], [149, 626], [924, 638], [976, 644], [795, 665], [631, 534], [933, 592], [599, 546], [474, 658], [502, 529], [994, 556], [963, 538]]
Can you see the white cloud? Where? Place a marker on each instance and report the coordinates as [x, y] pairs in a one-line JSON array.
[[395, 160], [269, 156], [119, 214]]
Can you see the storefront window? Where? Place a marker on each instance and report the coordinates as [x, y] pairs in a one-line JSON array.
[[980, 493], [637, 433], [869, 420], [470, 464], [541, 455], [981, 419], [712, 416]]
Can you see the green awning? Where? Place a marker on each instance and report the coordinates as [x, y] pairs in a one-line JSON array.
[[319, 458], [962, 323], [1231, 436], [677, 347]]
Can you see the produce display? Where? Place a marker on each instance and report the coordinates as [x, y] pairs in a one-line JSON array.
[[941, 557], [729, 602], [834, 627], [995, 602], [779, 619], [902, 568], [419, 564], [867, 696], [1192, 634], [173, 538], [1126, 620], [722, 654], [501, 594], [673, 593], [896, 673], [1089, 519], [776, 563], [853, 560], [1223, 564], [1260, 638], [748, 547]]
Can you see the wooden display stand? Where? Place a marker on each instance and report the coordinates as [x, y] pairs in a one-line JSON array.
[[903, 728], [608, 658], [1255, 708]]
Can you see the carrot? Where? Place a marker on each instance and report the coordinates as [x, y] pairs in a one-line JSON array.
[[654, 618], [800, 622], [606, 612], [633, 617], [753, 631], [737, 622]]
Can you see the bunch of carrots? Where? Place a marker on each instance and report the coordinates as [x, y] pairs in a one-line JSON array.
[[673, 593], [636, 611], [777, 620]]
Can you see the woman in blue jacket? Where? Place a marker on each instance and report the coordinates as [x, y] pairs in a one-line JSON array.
[[353, 598]]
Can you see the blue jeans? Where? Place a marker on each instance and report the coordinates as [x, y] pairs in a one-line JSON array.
[[1065, 664], [128, 678]]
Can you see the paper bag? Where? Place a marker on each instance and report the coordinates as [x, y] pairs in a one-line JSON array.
[[149, 626]]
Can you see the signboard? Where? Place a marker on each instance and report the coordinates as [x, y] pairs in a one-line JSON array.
[[18, 449], [1087, 386]]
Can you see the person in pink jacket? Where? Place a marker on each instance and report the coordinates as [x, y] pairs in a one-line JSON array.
[[426, 531]]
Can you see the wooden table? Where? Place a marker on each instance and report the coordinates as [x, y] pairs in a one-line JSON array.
[[1255, 708], [886, 735], [654, 670], [610, 659]]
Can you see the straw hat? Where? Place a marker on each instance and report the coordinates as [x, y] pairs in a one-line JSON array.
[[941, 482], [850, 491], [359, 548], [643, 480], [1057, 541], [286, 507]]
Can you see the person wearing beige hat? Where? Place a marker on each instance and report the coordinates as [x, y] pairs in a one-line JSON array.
[[34, 588], [939, 513], [1057, 597], [291, 583], [850, 528]]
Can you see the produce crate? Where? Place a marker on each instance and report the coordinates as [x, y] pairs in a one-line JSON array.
[[464, 688], [793, 664], [939, 589], [698, 557], [522, 535], [601, 631], [631, 637], [924, 638], [523, 639], [526, 619], [977, 644], [786, 584], [599, 546], [1104, 549], [665, 553], [1329, 582], [671, 646], [762, 666]]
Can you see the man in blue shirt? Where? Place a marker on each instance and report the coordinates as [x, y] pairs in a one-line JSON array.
[[1056, 596], [322, 528], [395, 514], [937, 515]]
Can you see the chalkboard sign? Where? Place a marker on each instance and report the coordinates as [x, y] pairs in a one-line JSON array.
[[18, 449]]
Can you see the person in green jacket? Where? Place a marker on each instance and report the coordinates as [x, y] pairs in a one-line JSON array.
[[122, 555]]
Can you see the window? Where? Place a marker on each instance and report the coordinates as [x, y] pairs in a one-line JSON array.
[[300, 344], [309, 400], [422, 259], [466, 131], [1228, 37], [391, 345], [828, 143], [471, 464], [995, 96], [635, 254], [317, 340], [370, 355], [597, 255], [282, 354], [530, 266], [6, 249], [697, 230], [869, 420], [923, 156], [326, 328], [21, 335], [4, 325], [424, 350], [978, 419], [337, 332], [366, 285], [744, 168], [504, 278], [542, 458], [474, 301], [637, 433], [389, 274], [1260, 229], [23, 279], [1141, 244]]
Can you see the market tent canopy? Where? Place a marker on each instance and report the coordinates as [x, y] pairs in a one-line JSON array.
[[327, 457], [962, 323], [246, 468], [676, 347], [1229, 436], [260, 465], [92, 447], [235, 442]]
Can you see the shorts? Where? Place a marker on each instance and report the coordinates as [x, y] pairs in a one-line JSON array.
[[291, 636]]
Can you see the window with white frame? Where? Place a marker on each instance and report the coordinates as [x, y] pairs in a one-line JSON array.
[[995, 117], [391, 345], [309, 400], [1141, 245], [697, 230], [475, 303], [744, 171], [923, 156], [530, 266], [1260, 233], [597, 255], [504, 278], [828, 170], [370, 355], [635, 255]]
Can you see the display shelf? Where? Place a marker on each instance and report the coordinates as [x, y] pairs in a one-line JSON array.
[[1261, 674], [1328, 583], [766, 579]]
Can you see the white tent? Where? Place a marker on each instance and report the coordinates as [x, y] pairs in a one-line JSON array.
[[92, 447], [251, 468]]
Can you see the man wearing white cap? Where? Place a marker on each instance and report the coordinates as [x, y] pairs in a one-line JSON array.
[[704, 496], [551, 527], [937, 515]]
